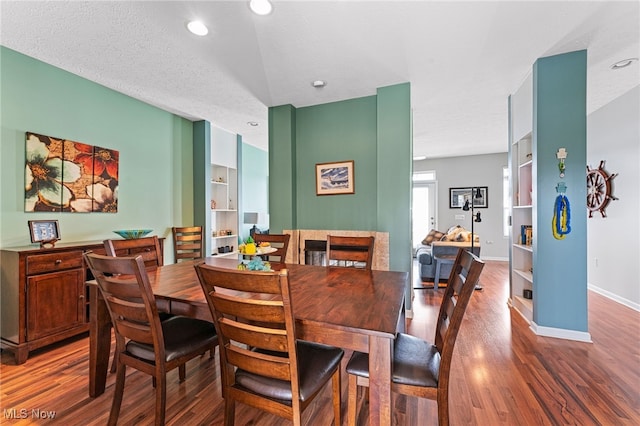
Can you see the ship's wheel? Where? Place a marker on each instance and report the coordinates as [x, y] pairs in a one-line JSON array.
[[599, 189]]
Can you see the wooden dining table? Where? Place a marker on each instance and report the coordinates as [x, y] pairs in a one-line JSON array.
[[349, 308]]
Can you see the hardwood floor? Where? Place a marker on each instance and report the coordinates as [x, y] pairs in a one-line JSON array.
[[501, 373]]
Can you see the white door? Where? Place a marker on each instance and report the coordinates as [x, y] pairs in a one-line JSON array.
[[424, 210]]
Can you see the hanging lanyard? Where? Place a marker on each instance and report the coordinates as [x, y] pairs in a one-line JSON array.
[[561, 217]]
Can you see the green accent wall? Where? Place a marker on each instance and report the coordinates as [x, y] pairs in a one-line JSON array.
[[374, 132], [394, 169], [560, 121], [254, 184], [282, 168], [201, 165], [336, 132], [155, 151]]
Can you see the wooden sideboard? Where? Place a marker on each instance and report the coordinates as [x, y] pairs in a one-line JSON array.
[[43, 294]]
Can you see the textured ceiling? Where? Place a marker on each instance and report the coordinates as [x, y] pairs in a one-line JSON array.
[[462, 58]]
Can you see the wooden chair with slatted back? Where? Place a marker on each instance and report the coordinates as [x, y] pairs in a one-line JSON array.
[[420, 368], [142, 340], [278, 374], [147, 247], [188, 243], [350, 251], [280, 242]]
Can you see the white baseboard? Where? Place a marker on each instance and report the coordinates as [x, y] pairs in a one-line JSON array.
[[614, 297], [561, 333]]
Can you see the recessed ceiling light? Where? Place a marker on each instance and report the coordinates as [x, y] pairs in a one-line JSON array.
[[319, 83], [252, 123], [261, 7], [623, 63], [198, 28]]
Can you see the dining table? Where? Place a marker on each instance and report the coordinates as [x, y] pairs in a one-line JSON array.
[[354, 309]]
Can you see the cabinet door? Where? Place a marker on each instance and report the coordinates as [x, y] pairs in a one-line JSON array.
[[55, 302]]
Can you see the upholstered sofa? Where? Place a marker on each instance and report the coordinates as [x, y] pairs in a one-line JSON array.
[[425, 255], [441, 244]]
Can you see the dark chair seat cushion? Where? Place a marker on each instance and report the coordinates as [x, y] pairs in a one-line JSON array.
[[415, 362], [182, 335], [316, 364]]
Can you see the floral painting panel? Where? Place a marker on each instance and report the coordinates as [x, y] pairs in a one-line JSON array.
[[81, 155], [105, 180], [45, 177]]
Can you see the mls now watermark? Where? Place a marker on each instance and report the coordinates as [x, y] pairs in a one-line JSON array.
[[23, 413]]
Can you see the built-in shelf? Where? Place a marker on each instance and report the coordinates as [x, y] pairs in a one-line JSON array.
[[527, 275], [521, 215], [221, 237]]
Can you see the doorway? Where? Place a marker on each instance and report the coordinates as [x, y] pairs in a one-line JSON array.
[[423, 210]]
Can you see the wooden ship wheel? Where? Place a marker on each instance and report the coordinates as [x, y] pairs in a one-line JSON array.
[[599, 189]]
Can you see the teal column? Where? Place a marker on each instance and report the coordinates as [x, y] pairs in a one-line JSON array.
[[560, 121], [394, 164], [282, 168], [202, 179]]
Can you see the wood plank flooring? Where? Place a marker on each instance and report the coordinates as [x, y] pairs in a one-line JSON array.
[[502, 374]]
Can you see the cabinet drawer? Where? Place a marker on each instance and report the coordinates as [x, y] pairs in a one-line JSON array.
[[40, 263]]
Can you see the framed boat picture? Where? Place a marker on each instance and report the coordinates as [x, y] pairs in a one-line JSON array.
[[335, 178]]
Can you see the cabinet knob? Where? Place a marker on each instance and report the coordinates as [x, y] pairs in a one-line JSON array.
[[58, 261], [81, 296]]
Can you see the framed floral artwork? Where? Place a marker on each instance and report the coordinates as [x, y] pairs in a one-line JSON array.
[[67, 176]]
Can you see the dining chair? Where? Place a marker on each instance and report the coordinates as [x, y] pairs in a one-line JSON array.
[[350, 251], [421, 368], [147, 247], [263, 364], [280, 242], [142, 340], [187, 243]]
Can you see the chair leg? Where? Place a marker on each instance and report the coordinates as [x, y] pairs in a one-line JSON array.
[[352, 403], [229, 411], [337, 415], [117, 394], [161, 398], [443, 407], [114, 363], [182, 372]]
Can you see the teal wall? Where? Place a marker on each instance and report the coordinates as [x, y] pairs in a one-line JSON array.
[[336, 132], [374, 132], [282, 168], [560, 121], [201, 165], [254, 191], [155, 151]]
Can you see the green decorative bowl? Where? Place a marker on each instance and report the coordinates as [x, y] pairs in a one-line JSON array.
[[132, 234]]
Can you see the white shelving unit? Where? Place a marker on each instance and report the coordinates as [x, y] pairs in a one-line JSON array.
[[522, 199], [224, 210], [215, 187], [521, 252]]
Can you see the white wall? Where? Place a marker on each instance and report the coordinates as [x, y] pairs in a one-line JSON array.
[[613, 135], [477, 170]]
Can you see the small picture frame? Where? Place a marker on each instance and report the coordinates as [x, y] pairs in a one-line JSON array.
[[458, 196], [44, 231], [335, 178]]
